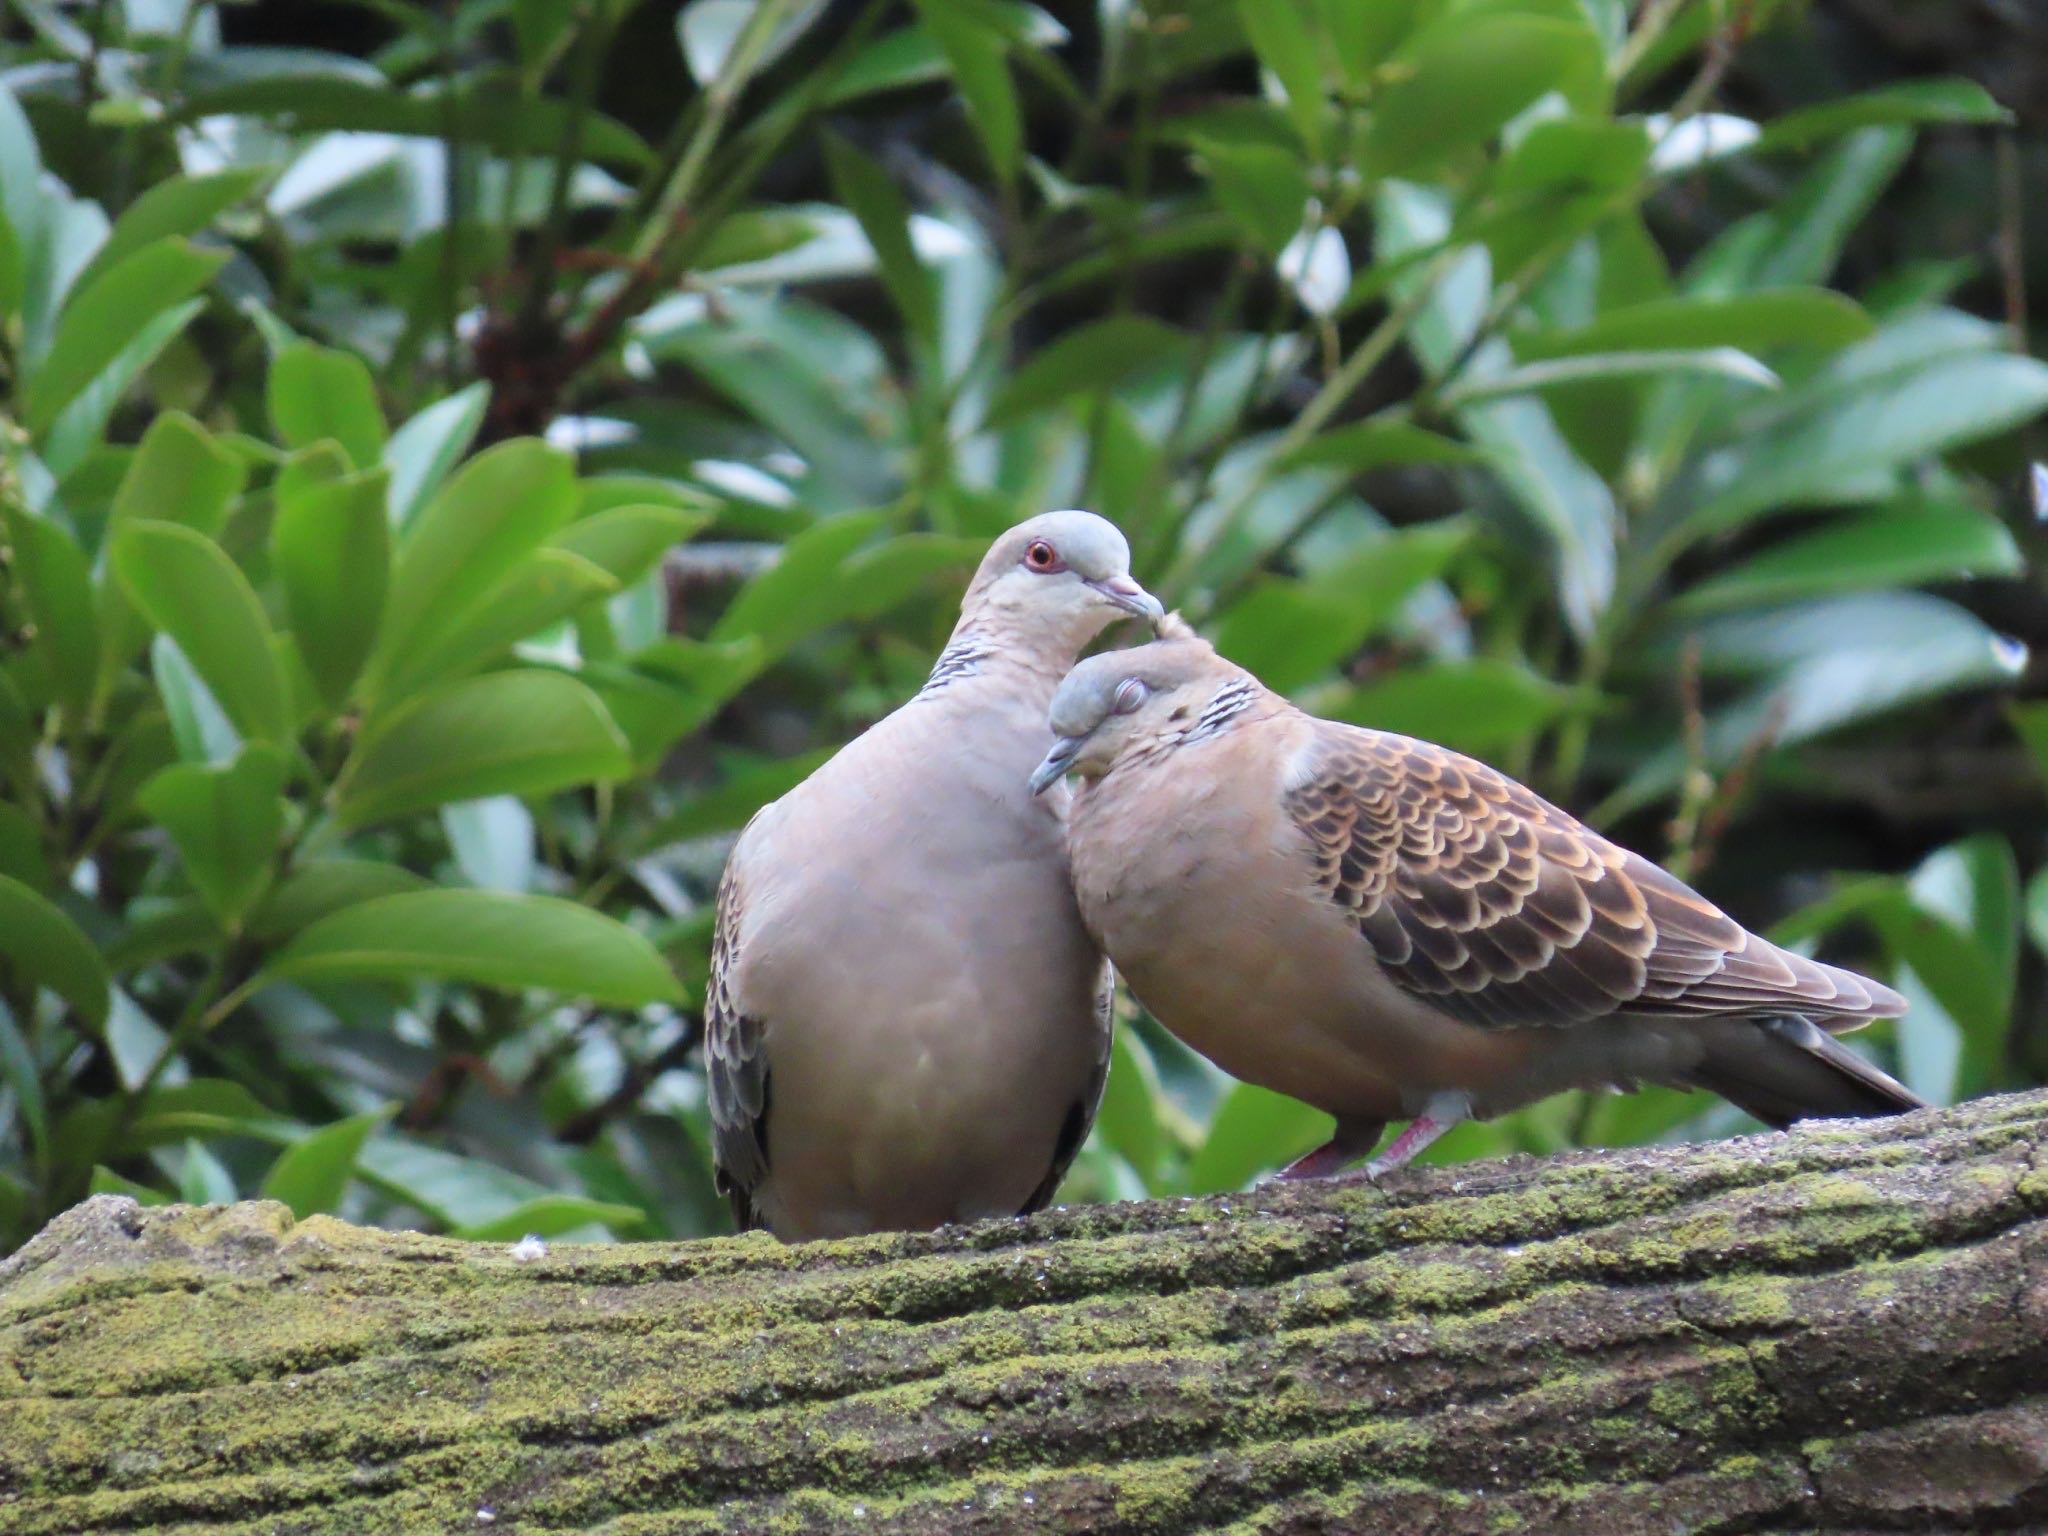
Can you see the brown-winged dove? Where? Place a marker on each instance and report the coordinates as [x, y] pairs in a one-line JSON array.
[[907, 1024], [1389, 930]]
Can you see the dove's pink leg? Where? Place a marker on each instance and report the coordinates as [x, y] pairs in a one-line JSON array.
[[1354, 1139], [1443, 1111]]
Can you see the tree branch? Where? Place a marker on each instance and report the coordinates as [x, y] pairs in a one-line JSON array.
[[1843, 1328]]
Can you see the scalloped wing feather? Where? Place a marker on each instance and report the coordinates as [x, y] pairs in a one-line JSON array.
[[1505, 912]]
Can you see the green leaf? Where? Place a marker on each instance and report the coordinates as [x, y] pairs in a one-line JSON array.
[[188, 588], [2037, 910], [330, 545], [167, 1113], [22, 202], [20, 1075], [1129, 1116], [55, 586], [507, 733], [1754, 321], [1254, 1129], [1839, 430], [1591, 368], [781, 605], [1894, 547], [1279, 34], [740, 792], [1263, 187], [177, 206], [1368, 445], [485, 938], [550, 1216], [486, 116], [313, 1173], [103, 319], [199, 727], [675, 685], [226, 822], [1909, 101], [628, 541], [1459, 80], [974, 53], [80, 425], [107, 1182], [490, 518], [1086, 361], [317, 887], [423, 451], [1481, 706], [179, 474], [1290, 632], [43, 946], [547, 588], [318, 394], [884, 218], [493, 842]]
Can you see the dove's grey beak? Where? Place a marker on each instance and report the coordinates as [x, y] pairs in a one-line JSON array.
[[1055, 764], [1131, 597]]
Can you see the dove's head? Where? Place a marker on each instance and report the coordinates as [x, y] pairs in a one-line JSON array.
[[1063, 576], [1146, 698]]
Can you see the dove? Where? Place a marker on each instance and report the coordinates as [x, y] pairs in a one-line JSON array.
[[1389, 930], [906, 1023]]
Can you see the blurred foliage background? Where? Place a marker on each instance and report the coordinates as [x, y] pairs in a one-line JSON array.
[[462, 458]]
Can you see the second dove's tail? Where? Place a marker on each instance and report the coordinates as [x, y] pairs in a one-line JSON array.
[[1786, 1069]]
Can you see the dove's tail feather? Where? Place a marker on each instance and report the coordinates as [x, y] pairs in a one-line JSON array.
[[1786, 1069]]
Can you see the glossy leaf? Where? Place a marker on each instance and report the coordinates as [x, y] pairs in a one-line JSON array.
[[1087, 361], [177, 206], [55, 586], [550, 586], [422, 452], [866, 190], [331, 547], [975, 56], [318, 394], [316, 887], [1908, 101], [226, 822], [184, 585], [313, 1173], [103, 319], [507, 733], [1897, 547], [486, 938], [1280, 35], [490, 518], [41, 945]]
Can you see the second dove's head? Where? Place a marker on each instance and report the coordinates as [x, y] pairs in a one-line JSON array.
[[1165, 691], [1066, 573]]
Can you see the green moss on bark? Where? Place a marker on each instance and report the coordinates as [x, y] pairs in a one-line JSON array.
[[1723, 1337]]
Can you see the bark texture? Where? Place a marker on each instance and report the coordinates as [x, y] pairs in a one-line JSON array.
[[1845, 1328]]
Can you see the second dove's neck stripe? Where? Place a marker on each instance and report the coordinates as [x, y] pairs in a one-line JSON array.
[[1231, 701]]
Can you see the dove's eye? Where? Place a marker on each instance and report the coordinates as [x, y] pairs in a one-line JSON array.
[[1130, 695], [1041, 557]]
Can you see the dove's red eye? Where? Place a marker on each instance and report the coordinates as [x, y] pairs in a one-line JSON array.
[[1041, 557]]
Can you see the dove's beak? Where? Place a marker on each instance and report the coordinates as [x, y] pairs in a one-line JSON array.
[[1055, 764], [1132, 598]]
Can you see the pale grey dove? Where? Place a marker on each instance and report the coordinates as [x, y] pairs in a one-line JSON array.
[[1389, 930], [907, 1024]]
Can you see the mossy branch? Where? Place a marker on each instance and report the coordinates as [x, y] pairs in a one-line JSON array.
[[1843, 1328]]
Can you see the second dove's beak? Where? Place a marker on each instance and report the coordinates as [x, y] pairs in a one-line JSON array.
[[1132, 598], [1055, 764]]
